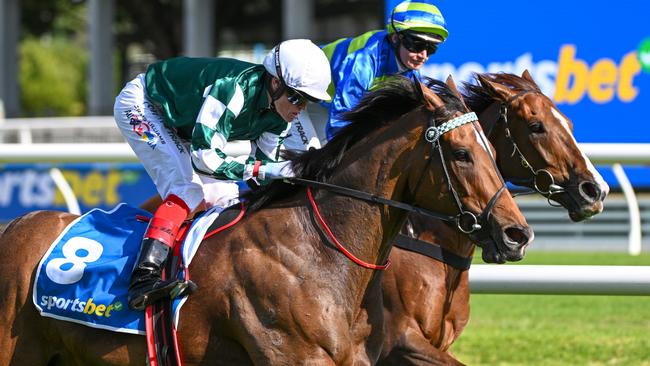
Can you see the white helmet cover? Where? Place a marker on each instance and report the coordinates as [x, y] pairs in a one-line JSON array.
[[303, 66]]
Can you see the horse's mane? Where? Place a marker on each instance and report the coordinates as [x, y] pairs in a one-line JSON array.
[[384, 104], [479, 98]]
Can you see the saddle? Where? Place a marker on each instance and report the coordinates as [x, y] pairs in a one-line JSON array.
[[162, 340]]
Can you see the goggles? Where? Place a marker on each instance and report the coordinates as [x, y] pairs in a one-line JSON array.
[[297, 98], [418, 45]]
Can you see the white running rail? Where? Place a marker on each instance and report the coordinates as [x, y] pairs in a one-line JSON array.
[[560, 280], [607, 154]]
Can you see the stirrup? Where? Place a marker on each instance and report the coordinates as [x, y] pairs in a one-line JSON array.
[[161, 290], [182, 288]]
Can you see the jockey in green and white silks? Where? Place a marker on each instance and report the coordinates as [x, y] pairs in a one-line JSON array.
[[232, 104], [179, 117], [412, 34]]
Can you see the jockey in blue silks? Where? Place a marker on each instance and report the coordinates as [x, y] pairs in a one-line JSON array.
[[413, 32]]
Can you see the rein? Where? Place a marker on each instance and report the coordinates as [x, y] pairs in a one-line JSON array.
[[553, 188], [432, 135]]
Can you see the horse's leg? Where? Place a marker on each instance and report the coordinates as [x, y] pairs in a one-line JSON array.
[[413, 349]]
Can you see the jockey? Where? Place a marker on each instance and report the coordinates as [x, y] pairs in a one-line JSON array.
[[413, 32], [179, 116]]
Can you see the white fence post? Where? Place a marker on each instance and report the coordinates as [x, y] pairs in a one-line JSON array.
[[634, 241]]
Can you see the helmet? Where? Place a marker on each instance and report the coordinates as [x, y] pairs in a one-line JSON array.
[[302, 66], [420, 16]]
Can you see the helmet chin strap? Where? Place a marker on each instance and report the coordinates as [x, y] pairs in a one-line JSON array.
[[277, 93]]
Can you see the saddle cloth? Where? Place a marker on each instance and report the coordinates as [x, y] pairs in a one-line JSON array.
[[84, 275]]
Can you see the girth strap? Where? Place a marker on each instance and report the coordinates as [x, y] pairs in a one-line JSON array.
[[434, 251]]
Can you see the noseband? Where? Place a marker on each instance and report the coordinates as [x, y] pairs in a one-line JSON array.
[[537, 174]]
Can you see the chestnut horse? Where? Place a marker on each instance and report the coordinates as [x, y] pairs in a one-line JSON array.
[[427, 301], [274, 290]]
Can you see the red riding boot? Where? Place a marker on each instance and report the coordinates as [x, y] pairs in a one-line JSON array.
[[146, 285]]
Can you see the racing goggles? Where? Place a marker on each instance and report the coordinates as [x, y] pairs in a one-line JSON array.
[[417, 45], [297, 98]]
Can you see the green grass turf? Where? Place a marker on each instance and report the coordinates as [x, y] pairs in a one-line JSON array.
[[586, 258], [562, 329]]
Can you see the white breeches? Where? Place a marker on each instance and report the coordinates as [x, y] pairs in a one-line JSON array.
[[163, 154]]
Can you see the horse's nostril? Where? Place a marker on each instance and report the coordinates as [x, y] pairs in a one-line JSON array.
[[517, 235], [590, 191]]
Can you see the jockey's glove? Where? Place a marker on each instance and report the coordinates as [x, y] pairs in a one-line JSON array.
[[276, 170]]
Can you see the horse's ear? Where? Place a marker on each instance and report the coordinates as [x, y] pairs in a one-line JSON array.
[[495, 89], [432, 100], [452, 85], [526, 76]]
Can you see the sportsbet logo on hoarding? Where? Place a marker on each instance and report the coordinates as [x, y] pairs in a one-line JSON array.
[[569, 79], [602, 81]]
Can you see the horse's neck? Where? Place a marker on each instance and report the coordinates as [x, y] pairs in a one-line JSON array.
[[368, 229]]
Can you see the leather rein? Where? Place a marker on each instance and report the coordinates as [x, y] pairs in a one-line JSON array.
[[466, 221]]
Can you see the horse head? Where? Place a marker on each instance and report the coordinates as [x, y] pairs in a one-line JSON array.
[[477, 194], [535, 142]]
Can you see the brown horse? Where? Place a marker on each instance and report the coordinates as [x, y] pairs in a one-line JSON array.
[[274, 290], [427, 301]]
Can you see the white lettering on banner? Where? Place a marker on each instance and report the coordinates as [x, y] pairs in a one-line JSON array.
[[543, 71], [569, 80], [59, 270], [34, 189]]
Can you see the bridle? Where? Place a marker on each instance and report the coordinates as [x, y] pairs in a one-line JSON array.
[[537, 174], [466, 221], [432, 135]]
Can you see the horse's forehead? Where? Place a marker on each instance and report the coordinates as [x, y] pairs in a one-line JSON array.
[[533, 104], [469, 135]]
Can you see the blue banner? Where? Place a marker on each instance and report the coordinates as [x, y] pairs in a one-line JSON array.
[[582, 54], [29, 187], [592, 58]]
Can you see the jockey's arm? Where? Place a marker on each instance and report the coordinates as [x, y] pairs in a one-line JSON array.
[[210, 136]]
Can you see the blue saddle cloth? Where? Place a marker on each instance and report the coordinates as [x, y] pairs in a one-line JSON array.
[[84, 276]]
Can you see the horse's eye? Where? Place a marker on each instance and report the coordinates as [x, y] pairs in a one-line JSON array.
[[461, 155], [536, 127]]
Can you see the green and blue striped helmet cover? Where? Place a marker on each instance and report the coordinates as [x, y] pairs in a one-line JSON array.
[[417, 16]]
